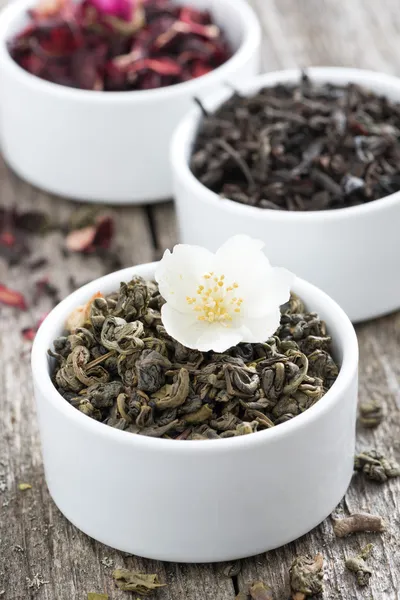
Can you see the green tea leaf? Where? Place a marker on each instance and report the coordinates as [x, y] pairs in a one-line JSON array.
[[132, 581], [259, 591], [24, 486], [94, 596]]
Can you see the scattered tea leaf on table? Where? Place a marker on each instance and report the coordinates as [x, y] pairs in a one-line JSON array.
[[356, 523], [306, 576], [358, 565], [24, 486], [133, 581], [242, 596], [259, 591], [371, 413], [376, 466], [94, 596], [232, 569]]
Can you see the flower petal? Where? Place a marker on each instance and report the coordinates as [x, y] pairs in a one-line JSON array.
[[179, 272], [240, 296], [218, 338], [243, 243], [184, 327], [200, 335], [273, 291], [261, 286], [261, 328], [241, 259]]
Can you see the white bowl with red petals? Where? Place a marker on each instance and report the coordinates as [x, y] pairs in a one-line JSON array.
[[101, 145]]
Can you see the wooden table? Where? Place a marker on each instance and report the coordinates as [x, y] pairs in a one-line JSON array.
[[37, 543]]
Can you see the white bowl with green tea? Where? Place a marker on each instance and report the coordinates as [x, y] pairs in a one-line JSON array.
[[310, 165], [201, 410]]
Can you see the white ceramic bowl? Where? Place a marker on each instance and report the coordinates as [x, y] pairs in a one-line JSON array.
[[351, 253], [198, 501], [107, 146]]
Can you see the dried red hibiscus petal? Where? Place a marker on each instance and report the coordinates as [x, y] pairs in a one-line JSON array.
[[29, 333], [8, 239], [43, 287], [119, 45], [88, 239], [10, 297]]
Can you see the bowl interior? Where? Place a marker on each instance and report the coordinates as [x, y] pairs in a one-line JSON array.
[[345, 347], [183, 143]]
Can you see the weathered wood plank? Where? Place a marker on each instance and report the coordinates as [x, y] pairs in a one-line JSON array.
[[35, 537], [36, 540], [376, 376], [363, 34], [165, 226], [324, 32]]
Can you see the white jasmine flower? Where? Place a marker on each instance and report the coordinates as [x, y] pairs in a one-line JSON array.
[[215, 301]]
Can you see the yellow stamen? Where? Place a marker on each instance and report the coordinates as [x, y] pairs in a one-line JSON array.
[[214, 301]]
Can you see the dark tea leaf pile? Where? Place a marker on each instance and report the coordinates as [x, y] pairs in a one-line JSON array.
[[301, 147], [118, 365], [119, 45]]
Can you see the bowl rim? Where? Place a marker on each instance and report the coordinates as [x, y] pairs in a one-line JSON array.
[[251, 31], [185, 133], [51, 327]]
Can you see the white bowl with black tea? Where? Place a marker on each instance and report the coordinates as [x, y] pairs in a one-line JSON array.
[[201, 410], [92, 91], [310, 165]]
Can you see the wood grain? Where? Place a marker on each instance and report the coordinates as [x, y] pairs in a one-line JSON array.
[[36, 542]]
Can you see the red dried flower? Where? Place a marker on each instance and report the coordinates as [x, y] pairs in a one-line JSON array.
[[88, 239], [104, 232], [43, 287], [8, 239], [29, 333], [119, 45], [10, 297]]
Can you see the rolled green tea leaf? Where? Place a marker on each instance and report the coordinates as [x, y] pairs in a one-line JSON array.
[[117, 365], [24, 486], [371, 413], [376, 466], [306, 576], [242, 596], [357, 565], [232, 569], [259, 591], [356, 523], [133, 581]]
